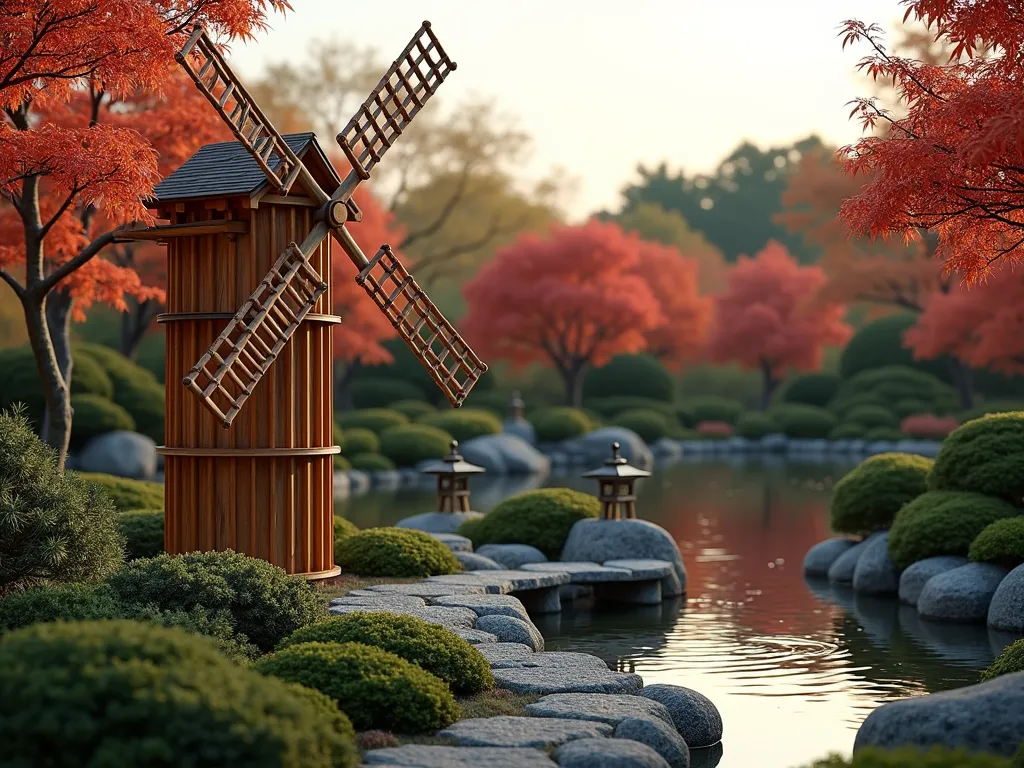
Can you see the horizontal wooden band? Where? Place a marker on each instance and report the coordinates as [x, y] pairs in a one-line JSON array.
[[250, 453], [330, 573], [173, 317], [191, 229]]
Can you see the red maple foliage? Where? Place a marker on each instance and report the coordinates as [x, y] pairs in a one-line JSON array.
[[571, 299], [955, 161], [767, 318]]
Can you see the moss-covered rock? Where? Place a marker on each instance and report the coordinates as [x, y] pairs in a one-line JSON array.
[[1001, 542], [143, 530], [984, 456], [869, 496], [1008, 662], [395, 552], [410, 444], [127, 495]]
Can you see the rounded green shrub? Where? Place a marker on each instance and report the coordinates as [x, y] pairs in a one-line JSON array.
[[372, 462], [413, 410], [608, 407], [358, 440], [376, 689], [381, 392], [650, 425], [884, 434], [847, 432], [498, 404], [1001, 543], [909, 406], [143, 530], [343, 529], [94, 415], [432, 647], [803, 421], [1008, 662], [408, 445], [19, 381], [942, 523], [127, 495], [341, 463], [810, 389], [869, 416], [147, 695], [264, 602], [841, 407], [888, 385], [540, 518], [464, 423], [53, 525], [395, 552], [914, 757], [553, 425], [869, 496], [986, 456], [630, 375], [374, 419], [996, 406], [134, 388], [713, 408], [753, 425], [879, 344]]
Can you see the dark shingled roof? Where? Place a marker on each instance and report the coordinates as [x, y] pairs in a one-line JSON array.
[[227, 168]]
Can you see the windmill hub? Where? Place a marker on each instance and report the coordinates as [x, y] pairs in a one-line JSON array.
[[335, 213]]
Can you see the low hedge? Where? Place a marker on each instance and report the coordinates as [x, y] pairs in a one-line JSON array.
[[753, 425], [143, 530], [553, 425], [891, 384], [464, 423], [1008, 662], [847, 432], [95, 415], [884, 434], [410, 444], [1001, 543], [540, 518], [374, 419], [713, 408], [868, 497], [147, 695], [374, 688], [870, 416], [909, 406], [432, 647], [810, 389], [358, 440], [803, 421], [649, 424], [127, 495], [396, 552], [984, 456], [916, 757], [371, 462], [382, 392], [413, 409], [942, 523]]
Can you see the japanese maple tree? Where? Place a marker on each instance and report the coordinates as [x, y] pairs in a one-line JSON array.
[[767, 319], [572, 300]]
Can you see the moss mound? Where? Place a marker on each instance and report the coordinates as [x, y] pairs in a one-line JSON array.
[[870, 416], [631, 376], [127, 495], [1001, 542], [713, 408], [374, 419], [803, 421], [942, 523], [408, 445], [890, 384], [437, 650], [134, 388], [95, 415], [413, 410], [372, 462], [376, 689], [355, 440], [465, 423], [541, 518], [143, 531], [381, 392], [649, 424], [869, 496], [810, 389], [1011, 660], [343, 529], [847, 432], [984, 456], [395, 552]]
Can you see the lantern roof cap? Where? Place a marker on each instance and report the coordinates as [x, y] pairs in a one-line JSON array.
[[617, 466], [452, 464]]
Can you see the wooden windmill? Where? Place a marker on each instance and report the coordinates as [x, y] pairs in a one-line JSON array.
[[246, 324]]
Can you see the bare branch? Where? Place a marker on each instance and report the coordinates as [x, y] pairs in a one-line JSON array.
[[17, 287], [85, 255]]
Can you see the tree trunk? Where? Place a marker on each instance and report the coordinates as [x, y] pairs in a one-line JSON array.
[[135, 323], [56, 393], [572, 377], [770, 383], [963, 379], [342, 385]]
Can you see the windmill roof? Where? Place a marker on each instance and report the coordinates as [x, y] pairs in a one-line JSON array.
[[226, 169]]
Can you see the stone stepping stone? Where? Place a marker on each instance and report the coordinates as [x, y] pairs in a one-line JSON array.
[[913, 579], [660, 736], [962, 594], [485, 605], [484, 584], [558, 658], [477, 637], [536, 732], [497, 653], [450, 618], [565, 677], [583, 573], [512, 555], [423, 756], [608, 753], [381, 600], [503, 582], [424, 589], [601, 707], [643, 569], [509, 629], [453, 541], [694, 715]]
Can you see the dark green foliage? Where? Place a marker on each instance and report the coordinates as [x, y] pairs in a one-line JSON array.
[[376, 689], [493, 402], [810, 389], [341, 463], [381, 392], [803, 421], [53, 525], [143, 530], [885, 434], [395, 552], [374, 419], [19, 381], [879, 344], [996, 406], [909, 406], [847, 432], [891, 384], [869, 416], [465, 423], [343, 528], [1011, 660], [914, 757], [869, 496], [410, 444], [371, 462], [264, 602], [135, 389], [609, 407], [358, 440], [713, 408], [1001, 543], [553, 425], [942, 523], [630, 376], [541, 518], [753, 425], [436, 649], [413, 409], [650, 425], [127, 495], [405, 367], [984, 456], [94, 416], [146, 695]]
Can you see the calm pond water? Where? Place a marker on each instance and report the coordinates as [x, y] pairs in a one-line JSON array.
[[794, 666]]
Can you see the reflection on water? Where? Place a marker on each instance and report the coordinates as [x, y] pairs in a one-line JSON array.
[[793, 665]]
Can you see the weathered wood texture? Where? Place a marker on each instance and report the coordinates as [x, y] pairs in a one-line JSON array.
[[265, 486]]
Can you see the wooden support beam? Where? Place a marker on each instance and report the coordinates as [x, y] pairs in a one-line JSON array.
[[166, 231]]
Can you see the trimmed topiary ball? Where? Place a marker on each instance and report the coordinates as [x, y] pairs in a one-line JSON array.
[[127, 495], [143, 531], [810, 389], [1011, 660], [942, 523], [465, 423], [650, 425], [19, 381], [553, 425], [884, 434], [413, 410], [870, 416], [803, 421], [847, 432], [408, 445], [134, 388], [754, 426], [95, 415], [713, 408], [374, 419], [376, 689], [395, 552], [372, 462], [631, 376], [343, 529], [356, 440], [609, 407], [436, 649], [146, 695], [1001, 543], [541, 518], [914, 757], [889, 385], [984, 456], [264, 602], [869, 496]]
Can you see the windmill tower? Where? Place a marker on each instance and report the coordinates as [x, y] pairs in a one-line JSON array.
[[249, 447]]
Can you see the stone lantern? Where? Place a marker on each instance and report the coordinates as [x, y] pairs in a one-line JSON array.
[[516, 408], [452, 480], [616, 482]]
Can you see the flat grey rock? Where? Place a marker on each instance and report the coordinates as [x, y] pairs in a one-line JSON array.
[[913, 579], [557, 659], [438, 522], [602, 707], [497, 653], [510, 629], [608, 753], [381, 600], [582, 573], [659, 736], [523, 580], [988, 717], [485, 605], [426, 590], [454, 542], [476, 637], [120, 453], [471, 561], [503, 582], [841, 571], [489, 584], [695, 716], [450, 618], [536, 732], [512, 556], [594, 447], [1006, 611], [962, 594], [875, 573], [643, 569], [424, 756], [542, 679], [598, 541]]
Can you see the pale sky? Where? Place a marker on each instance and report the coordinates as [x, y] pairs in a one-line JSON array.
[[603, 85]]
